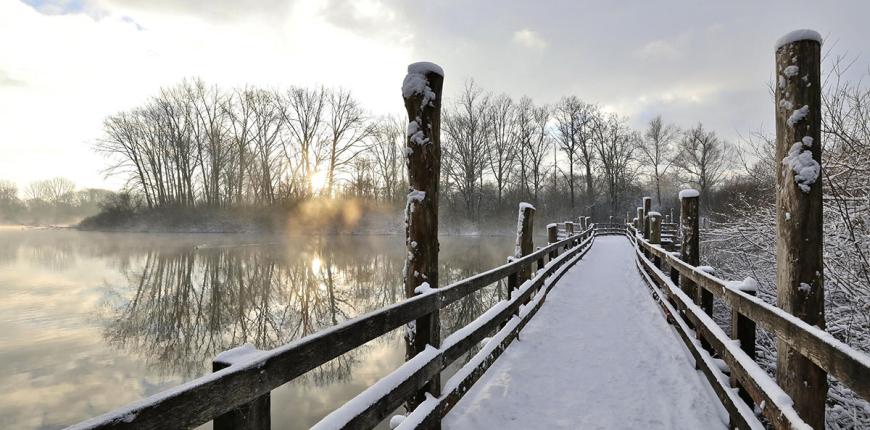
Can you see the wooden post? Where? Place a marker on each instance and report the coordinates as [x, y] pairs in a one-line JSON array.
[[689, 244], [553, 237], [421, 91], [655, 233], [647, 207], [743, 330], [569, 228], [254, 415], [638, 223], [799, 264], [525, 245]]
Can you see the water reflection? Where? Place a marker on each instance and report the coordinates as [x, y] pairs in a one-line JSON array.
[[142, 313]]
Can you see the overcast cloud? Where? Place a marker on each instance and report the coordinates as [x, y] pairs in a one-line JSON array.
[[65, 65]]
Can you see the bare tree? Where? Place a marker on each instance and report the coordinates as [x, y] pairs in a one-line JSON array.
[[388, 152], [535, 145], [574, 124], [615, 143], [656, 151], [302, 111], [347, 129], [504, 142], [467, 144], [702, 159]]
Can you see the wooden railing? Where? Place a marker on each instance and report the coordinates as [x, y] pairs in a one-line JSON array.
[[666, 273], [236, 394]]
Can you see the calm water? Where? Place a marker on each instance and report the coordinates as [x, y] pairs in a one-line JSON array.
[[91, 321]]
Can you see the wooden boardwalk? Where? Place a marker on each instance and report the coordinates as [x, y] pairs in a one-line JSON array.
[[597, 355]]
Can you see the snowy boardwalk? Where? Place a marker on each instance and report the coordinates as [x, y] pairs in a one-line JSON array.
[[598, 354]]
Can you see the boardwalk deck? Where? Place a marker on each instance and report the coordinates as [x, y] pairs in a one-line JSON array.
[[598, 355]]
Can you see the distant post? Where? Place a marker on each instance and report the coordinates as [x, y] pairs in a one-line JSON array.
[[569, 228], [638, 222], [525, 245], [647, 206], [421, 91], [655, 233], [553, 237], [799, 265]]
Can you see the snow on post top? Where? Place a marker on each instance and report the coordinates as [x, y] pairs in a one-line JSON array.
[[551, 225], [654, 214], [689, 193], [424, 67], [798, 35], [237, 354], [525, 205]]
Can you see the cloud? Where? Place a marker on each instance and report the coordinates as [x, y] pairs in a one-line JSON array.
[[658, 49], [529, 39]]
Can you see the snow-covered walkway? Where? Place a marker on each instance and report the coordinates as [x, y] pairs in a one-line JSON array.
[[597, 355]]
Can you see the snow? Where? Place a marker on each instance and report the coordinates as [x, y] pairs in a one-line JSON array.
[[396, 420], [747, 285], [806, 169], [424, 67], [689, 193], [710, 270], [791, 71], [551, 225], [798, 35], [339, 417], [525, 205], [654, 214], [424, 288], [581, 377], [238, 354], [797, 115]]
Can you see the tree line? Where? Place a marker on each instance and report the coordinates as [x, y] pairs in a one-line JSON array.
[[200, 145], [49, 201]]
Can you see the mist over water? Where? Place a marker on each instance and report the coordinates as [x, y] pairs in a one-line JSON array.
[[90, 322]]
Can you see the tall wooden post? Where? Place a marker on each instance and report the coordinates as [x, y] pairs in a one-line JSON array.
[[421, 91], [254, 415], [689, 244], [647, 206], [569, 228], [799, 265], [525, 245]]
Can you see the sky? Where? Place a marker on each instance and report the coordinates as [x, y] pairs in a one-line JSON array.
[[67, 64]]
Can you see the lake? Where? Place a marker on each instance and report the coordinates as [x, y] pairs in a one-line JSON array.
[[92, 321]]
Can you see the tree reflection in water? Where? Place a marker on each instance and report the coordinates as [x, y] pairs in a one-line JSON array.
[[183, 306]]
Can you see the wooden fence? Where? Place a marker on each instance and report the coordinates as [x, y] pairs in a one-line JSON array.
[[236, 395], [682, 290]]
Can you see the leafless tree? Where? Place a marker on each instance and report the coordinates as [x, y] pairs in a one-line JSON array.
[[505, 142], [574, 124], [535, 144], [656, 151], [701, 159], [388, 142], [467, 133], [615, 143], [347, 128]]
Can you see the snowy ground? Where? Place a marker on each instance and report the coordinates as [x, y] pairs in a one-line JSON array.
[[597, 355]]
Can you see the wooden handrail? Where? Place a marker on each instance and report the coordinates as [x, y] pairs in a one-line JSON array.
[[203, 399], [846, 364]]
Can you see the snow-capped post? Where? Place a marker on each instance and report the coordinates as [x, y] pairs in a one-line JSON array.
[[799, 264], [610, 219], [569, 228], [689, 246], [254, 415], [421, 91], [525, 220], [553, 237], [743, 330], [647, 206]]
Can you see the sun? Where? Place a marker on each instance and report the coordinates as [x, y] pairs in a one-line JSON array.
[[318, 181]]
